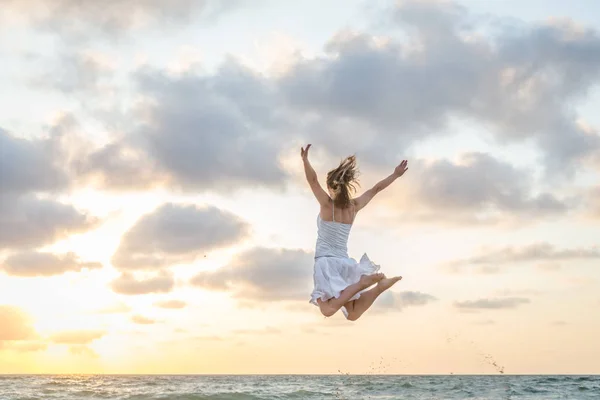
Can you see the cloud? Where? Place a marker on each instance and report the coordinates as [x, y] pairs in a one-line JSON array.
[[481, 181], [262, 274], [139, 319], [176, 233], [212, 132], [33, 263], [118, 167], [172, 304], [409, 298], [80, 337], [78, 20], [224, 130], [399, 300], [545, 254], [195, 132], [229, 129], [24, 347], [518, 82], [112, 165], [30, 167], [28, 221], [82, 350], [126, 283], [477, 188], [491, 304], [73, 72], [15, 324]]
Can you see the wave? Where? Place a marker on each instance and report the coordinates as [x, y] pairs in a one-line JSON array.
[[294, 387], [217, 396], [302, 394]]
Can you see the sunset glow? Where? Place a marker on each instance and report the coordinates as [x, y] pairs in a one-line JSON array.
[[155, 218]]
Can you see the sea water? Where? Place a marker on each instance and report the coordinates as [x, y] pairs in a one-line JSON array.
[[282, 387]]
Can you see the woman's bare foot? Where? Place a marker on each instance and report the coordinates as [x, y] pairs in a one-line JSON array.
[[368, 280], [385, 284]]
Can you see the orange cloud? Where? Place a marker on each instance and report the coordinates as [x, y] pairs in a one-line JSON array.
[[77, 337], [34, 263], [15, 324], [170, 304], [138, 319], [24, 347]]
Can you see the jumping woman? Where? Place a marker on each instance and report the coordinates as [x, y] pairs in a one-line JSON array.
[[339, 281]]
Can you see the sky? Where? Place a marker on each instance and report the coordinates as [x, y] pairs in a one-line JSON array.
[[155, 218]]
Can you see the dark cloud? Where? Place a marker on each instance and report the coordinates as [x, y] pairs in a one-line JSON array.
[[80, 337], [397, 301], [195, 132], [263, 274], [33, 263], [126, 283], [409, 298], [82, 163], [477, 188], [481, 181], [491, 304], [28, 221], [29, 167], [220, 131], [15, 324], [78, 20], [518, 82], [212, 132], [176, 233], [228, 129], [544, 253], [172, 304]]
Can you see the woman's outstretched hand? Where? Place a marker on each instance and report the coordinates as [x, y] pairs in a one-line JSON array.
[[304, 152], [401, 169]]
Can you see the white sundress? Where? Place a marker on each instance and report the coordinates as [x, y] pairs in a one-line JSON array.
[[334, 270]]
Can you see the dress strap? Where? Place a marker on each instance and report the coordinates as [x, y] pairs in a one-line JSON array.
[[333, 208]]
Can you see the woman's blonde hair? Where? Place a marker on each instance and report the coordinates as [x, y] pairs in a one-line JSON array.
[[341, 180]]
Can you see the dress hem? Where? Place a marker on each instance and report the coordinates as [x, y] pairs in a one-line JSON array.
[[320, 291]]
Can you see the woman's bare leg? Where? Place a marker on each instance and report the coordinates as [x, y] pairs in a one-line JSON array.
[[357, 307], [331, 306]]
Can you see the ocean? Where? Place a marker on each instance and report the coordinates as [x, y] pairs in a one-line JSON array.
[[283, 387]]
